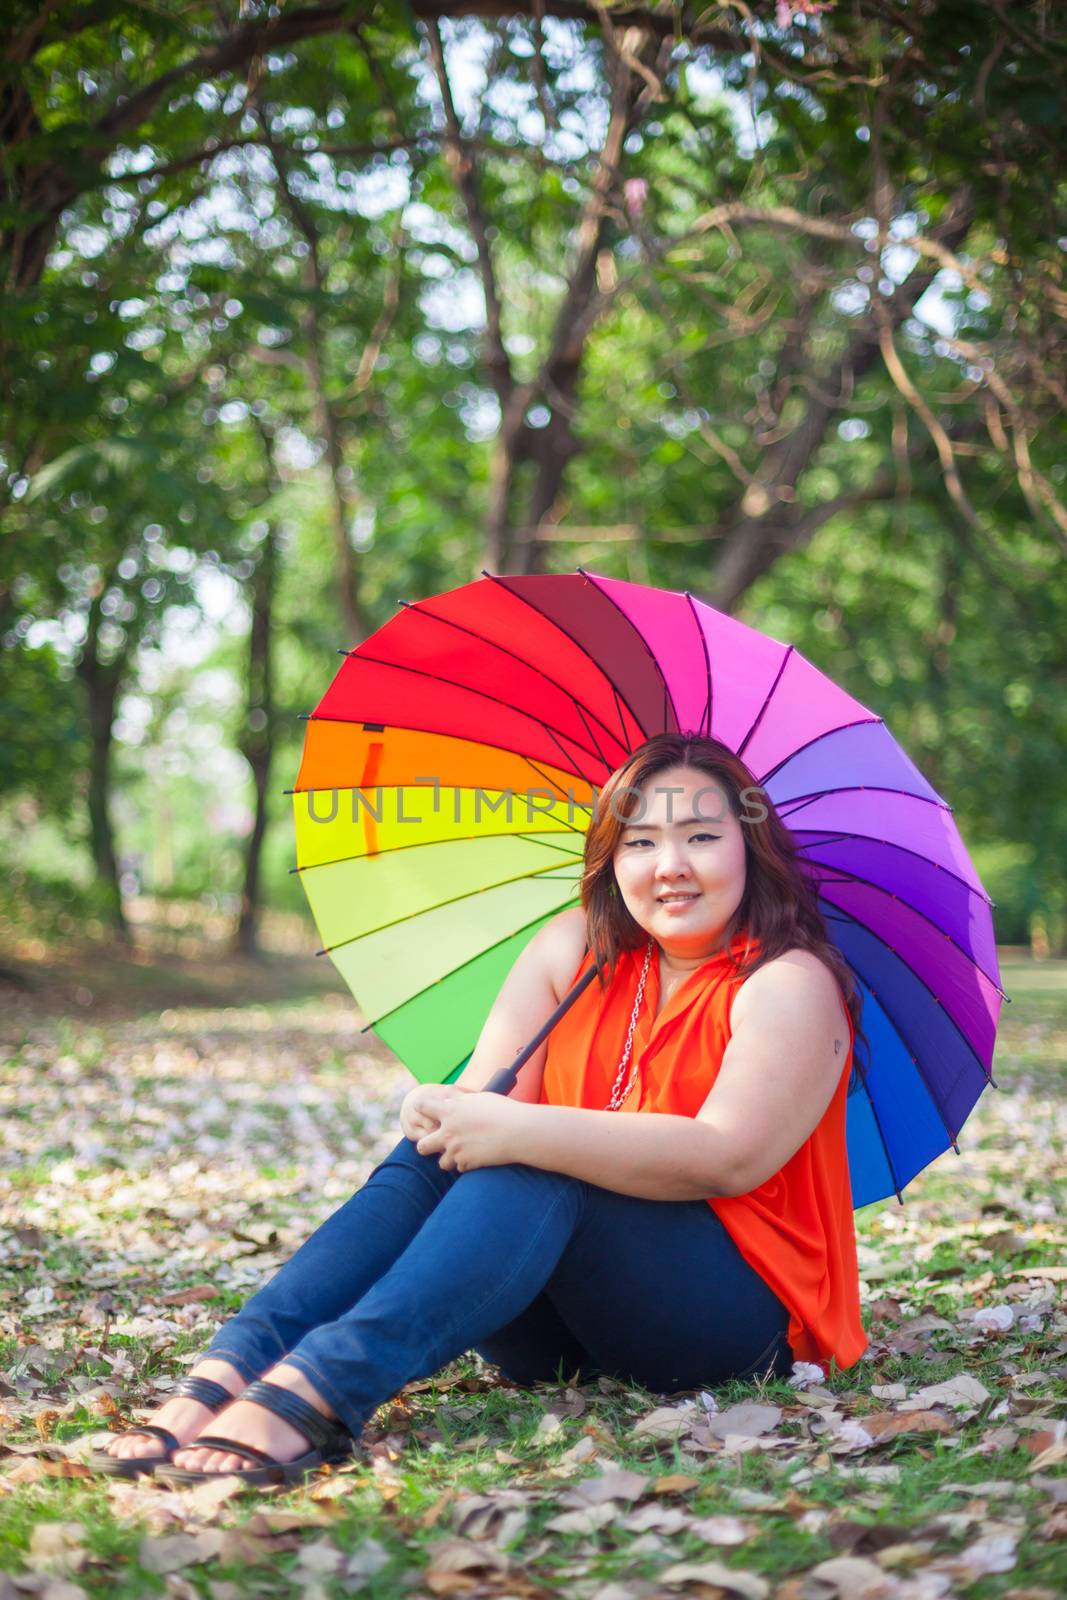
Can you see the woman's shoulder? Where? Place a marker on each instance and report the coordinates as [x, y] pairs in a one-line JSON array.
[[794, 974], [557, 948]]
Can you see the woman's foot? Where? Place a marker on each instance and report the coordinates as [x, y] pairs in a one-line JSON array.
[[245, 1422], [182, 1417]]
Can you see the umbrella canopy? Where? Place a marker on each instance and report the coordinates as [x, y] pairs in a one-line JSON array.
[[447, 781]]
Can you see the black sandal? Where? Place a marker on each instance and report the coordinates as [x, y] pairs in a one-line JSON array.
[[330, 1440], [205, 1390]]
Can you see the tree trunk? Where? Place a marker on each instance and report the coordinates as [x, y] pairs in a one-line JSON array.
[[551, 449], [257, 741], [326, 420], [636, 63], [101, 684]]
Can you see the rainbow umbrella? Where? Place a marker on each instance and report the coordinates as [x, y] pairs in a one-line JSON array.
[[447, 780]]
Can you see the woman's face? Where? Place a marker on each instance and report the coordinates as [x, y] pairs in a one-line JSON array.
[[680, 862]]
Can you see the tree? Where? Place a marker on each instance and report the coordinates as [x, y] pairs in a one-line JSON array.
[[692, 293]]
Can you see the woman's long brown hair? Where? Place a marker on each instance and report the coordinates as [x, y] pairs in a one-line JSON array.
[[779, 907]]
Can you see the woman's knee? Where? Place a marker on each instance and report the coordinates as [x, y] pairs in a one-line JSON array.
[[406, 1153]]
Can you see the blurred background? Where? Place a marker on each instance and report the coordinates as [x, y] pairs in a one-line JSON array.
[[309, 310]]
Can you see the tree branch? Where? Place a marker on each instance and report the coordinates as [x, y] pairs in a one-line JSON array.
[[462, 171]]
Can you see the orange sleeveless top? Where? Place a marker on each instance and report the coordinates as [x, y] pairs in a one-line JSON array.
[[796, 1229]]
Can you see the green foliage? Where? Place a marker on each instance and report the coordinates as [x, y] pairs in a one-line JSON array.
[[208, 240]]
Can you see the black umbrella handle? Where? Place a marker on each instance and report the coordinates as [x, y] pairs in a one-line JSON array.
[[503, 1081]]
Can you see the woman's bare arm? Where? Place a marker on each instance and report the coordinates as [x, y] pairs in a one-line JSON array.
[[787, 1051], [528, 996]]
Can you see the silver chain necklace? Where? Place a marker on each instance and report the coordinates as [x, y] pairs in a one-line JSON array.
[[617, 1098]]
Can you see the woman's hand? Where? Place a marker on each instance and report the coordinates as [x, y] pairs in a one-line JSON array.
[[415, 1117], [473, 1129]]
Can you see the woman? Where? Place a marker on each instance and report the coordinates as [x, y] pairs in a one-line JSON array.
[[533, 1227]]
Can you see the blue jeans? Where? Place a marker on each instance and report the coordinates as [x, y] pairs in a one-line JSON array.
[[544, 1275]]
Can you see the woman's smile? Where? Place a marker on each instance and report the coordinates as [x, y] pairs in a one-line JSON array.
[[680, 864]]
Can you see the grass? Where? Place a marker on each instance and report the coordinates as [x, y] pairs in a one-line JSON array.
[[149, 1155]]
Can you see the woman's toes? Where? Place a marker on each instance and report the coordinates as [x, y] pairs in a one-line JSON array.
[[137, 1445], [209, 1460]]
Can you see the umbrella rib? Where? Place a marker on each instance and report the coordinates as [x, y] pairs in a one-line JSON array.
[[767, 700], [986, 1073], [439, 905], [842, 727], [897, 1190], [622, 720], [800, 801], [532, 763], [705, 716], [856, 877], [891, 844], [592, 735], [404, 727], [667, 696], [545, 727], [435, 677], [576, 642], [428, 844], [420, 609], [385, 1015], [968, 1046]]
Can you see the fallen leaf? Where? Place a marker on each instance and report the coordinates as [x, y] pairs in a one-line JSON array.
[[865, 1538], [666, 1422], [1049, 1457], [432, 1515], [322, 1558], [908, 1554], [887, 1424], [273, 1520], [585, 1520], [655, 1518], [961, 1391], [65, 1469], [58, 1547], [850, 1578], [452, 1558], [365, 1562], [45, 1423], [713, 1573], [723, 1530], [478, 1441], [675, 1483], [188, 1297], [994, 1319], [747, 1420], [501, 1516], [584, 1450], [239, 1548], [988, 1555], [204, 1499], [615, 1484], [173, 1551]]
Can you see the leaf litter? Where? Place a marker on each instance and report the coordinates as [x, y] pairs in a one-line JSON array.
[[177, 1160]]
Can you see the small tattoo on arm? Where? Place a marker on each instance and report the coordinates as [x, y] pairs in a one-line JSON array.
[[839, 1045]]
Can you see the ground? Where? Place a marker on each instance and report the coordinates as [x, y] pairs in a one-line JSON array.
[[174, 1128]]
